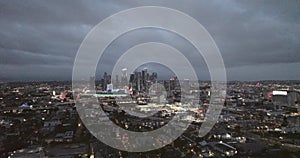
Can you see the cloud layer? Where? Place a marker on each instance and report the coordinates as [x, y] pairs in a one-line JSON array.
[[258, 39]]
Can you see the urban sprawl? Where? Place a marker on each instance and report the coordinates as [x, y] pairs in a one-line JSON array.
[[41, 119]]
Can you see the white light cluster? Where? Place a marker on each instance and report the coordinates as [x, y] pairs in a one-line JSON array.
[[279, 92]]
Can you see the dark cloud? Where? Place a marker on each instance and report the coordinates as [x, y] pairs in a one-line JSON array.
[[257, 39]]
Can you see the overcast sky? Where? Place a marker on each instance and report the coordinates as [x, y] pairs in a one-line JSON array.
[[259, 40]]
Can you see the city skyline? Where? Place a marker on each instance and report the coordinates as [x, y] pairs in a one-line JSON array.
[[132, 78]]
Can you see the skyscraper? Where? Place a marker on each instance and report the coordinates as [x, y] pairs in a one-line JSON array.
[[144, 83], [124, 80], [116, 84], [105, 80]]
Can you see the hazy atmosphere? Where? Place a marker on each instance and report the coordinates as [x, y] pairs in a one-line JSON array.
[[259, 40]]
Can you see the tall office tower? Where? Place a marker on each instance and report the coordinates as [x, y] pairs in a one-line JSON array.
[[139, 81], [131, 81], [136, 81], [153, 77], [186, 85], [144, 74], [144, 81], [116, 84], [124, 80], [172, 83], [106, 80], [174, 87]]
